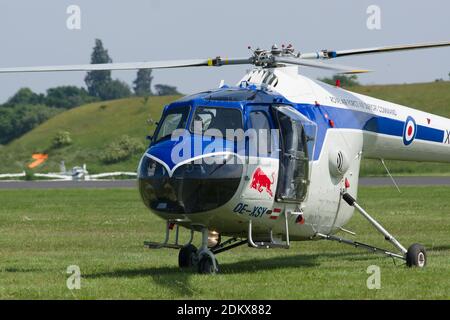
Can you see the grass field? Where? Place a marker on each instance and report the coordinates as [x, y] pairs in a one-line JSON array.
[[42, 232], [93, 127]]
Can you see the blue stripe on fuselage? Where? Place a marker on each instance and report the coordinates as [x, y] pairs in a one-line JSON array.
[[350, 119], [342, 118]]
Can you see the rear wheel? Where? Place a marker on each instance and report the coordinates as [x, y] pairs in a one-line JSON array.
[[188, 256], [416, 256]]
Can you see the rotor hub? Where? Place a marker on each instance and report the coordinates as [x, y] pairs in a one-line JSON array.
[[266, 58]]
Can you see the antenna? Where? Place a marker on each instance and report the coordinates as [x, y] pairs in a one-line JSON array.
[[390, 175]]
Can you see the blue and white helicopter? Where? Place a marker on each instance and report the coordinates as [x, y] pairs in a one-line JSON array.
[[296, 178]]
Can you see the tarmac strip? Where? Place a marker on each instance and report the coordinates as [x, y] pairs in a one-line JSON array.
[[109, 184]]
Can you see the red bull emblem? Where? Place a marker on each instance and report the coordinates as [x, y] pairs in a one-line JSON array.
[[261, 181]]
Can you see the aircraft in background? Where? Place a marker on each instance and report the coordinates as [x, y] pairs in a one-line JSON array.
[[76, 174]]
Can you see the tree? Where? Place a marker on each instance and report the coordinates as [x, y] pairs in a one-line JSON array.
[[6, 125], [61, 139], [67, 97], [97, 81], [19, 119], [143, 83], [122, 149], [346, 81], [100, 84], [166, 90], [115, 89], [25, 96]]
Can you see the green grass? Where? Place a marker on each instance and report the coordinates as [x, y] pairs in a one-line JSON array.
[[93, 127], [42, 232]]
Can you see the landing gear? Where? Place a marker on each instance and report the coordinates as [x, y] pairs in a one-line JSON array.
[[207, 265], [166, 243], [202, 259], [207, 262], [416, 256], [187, 257], [190, 257]]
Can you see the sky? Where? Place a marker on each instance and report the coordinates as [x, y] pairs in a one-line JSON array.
[[36, 33]]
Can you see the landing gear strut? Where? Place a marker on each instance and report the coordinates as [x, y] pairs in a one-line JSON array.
[[415, 256], [207, 262]]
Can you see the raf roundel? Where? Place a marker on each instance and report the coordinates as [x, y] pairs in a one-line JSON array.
[[410, 131]]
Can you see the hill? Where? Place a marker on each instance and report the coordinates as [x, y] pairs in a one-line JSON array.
[[94, 126]]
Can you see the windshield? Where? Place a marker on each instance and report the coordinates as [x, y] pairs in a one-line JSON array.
[[175, 118], [217, 118]]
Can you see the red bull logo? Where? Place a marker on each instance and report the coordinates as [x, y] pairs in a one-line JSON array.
[[261, 181]]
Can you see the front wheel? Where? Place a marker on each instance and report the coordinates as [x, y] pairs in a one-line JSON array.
[[416, 256], [187, 257], [206, 266]]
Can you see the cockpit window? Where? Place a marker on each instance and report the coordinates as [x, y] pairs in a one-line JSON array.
[[174, 119], [221, 119]]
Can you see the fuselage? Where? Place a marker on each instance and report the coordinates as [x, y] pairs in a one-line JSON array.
[[324, 131]]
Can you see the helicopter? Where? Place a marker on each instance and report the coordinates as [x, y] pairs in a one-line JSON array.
[[275, 158]]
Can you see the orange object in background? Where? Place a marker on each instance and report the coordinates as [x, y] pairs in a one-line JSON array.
[[39, 158]]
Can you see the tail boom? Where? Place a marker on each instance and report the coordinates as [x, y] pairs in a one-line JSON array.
[[420, 137]]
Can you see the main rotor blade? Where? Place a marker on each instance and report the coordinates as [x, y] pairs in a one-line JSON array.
[[343, 53], [330, 54], [320, 65], [216, 62]]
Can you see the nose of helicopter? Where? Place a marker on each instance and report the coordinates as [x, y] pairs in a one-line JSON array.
[[194, 185]]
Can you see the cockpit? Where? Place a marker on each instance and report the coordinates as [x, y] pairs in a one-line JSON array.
[[208, 118], [200, 154]]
